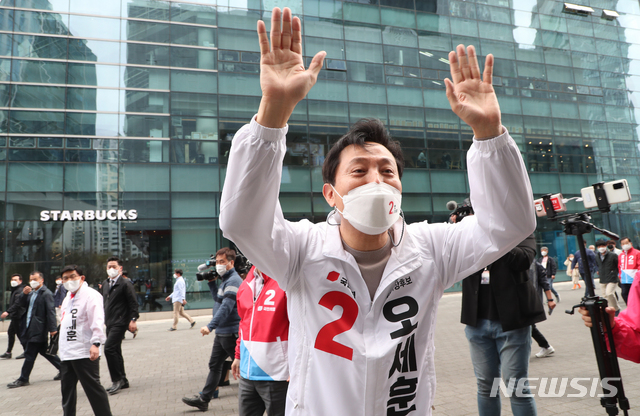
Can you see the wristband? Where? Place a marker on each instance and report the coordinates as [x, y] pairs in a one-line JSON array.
[[97, 344], [549, 300]]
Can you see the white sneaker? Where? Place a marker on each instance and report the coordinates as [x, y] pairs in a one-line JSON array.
[[545, 352]]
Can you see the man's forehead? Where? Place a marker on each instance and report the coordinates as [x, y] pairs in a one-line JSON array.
[[354, 153], [112, 263]]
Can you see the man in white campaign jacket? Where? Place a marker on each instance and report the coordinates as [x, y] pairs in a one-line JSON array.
[[81, 334], [363, 288]]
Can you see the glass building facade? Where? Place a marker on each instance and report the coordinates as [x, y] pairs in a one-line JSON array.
[[131, 105]]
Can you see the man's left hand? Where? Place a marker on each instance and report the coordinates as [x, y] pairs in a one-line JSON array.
[[53, 333], [94, 353], [552, 305], [184, 303], [133, 326], [471, 97]]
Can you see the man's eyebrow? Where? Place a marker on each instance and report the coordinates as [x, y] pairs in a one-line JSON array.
[[361, 159]]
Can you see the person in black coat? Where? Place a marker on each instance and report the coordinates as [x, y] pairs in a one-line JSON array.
[[120, 315], [15, 312], [607, 262], [499, 305], [38, 320], [550, 267], [538, 275]]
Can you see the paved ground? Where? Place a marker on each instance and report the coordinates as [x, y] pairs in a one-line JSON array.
[[163, 366]]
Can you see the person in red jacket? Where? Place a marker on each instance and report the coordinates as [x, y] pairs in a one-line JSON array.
[[626, 326], [628, 266], [261, 350]]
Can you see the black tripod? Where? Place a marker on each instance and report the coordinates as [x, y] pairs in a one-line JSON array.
[[611, 380]]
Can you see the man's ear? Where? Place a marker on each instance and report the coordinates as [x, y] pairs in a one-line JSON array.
[[329, 194]]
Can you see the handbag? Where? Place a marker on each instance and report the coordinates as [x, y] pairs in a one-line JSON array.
[[52, 348]]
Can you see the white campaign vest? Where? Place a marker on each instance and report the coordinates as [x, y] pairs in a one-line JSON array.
[[81, 324]]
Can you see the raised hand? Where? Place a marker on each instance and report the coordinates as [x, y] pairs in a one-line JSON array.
[[283, 79], [472, 98]]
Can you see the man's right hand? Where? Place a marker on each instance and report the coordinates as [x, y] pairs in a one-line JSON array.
[[587, 318], [204, 331], [283, 79], [167, 298], [235, 368], [26, 290], [4, 315]]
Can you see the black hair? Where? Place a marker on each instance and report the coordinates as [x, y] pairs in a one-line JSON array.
[[601, 243], [72, 268], [17, 274], [115, 258], [35, 272], [624, 238], [368, 130], [229, 253], [179, 271]]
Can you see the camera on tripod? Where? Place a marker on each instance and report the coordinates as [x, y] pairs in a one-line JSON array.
[[600, 195]]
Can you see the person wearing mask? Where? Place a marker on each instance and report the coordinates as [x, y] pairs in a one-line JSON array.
[[120, 314], [611, 245], [261, 358], [551, 268], [15, 312], [592, 248], [628, 266], [591, 262], [38, 321], [572, 272], [538, 275], [178, 297], [58, 297], [81, 335], [225, 323], [608, 268]]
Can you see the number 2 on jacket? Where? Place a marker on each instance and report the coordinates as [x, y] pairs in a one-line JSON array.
[[324, 340]]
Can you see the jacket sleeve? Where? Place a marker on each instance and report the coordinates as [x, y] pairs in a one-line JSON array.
[[52, 322], [543, 281], [553, 267], [132, 302], [519, 259], [626, 332], [16, 306], [504, 215], [250, 212], [237, 356]]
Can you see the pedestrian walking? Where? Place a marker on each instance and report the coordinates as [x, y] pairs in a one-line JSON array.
[[38, 321], [573, 272], [120, 314], [538, 275], [608, 267], [178, 298], [628, 265], [14, 312], [550, 267], [81, 335]]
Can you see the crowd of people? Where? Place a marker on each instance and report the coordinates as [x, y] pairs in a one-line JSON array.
[[338, 317]]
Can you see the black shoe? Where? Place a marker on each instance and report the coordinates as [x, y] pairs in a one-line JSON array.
[[19, 383], [58, 376], [192, 325], [20, 357], [6, 355], [171, 329], [223, 383], [117, 386], [196, 401]]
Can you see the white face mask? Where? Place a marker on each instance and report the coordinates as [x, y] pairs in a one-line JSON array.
[[72, 285], [626, 247], [372, 208], [221, 269], [602, 249], [544, 253], [14, 283], [175, 276], [113, 273], [34, 284], [58, 282]]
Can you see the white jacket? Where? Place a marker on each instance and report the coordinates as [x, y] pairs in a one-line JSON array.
[[349, 355], [81, 324]]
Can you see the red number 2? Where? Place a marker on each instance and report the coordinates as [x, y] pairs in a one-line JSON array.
[[324, 340], [391, 210]]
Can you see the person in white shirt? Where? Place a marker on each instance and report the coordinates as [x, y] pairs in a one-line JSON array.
[[178, 297], [363, 287], [81, 334]]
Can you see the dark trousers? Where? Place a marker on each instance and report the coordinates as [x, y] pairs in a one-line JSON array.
[[88, 373], [626, 287], [14, 329], [113, 352], [540, 339], [256, 397], [30, 353], [223, 346]]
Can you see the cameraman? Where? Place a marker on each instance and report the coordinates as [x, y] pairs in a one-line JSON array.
[[225, 322]]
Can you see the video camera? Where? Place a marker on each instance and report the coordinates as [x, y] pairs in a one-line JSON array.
[[459, 210], [600, 195], [207, 270]]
